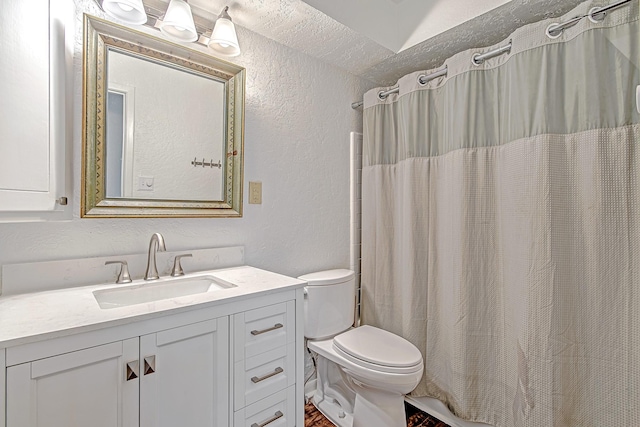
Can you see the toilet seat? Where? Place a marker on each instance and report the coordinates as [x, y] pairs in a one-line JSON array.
[[378, 350]]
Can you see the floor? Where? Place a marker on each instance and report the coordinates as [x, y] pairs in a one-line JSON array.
[[415, 418]]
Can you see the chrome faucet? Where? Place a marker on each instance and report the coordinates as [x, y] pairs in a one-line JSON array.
[[156, 244]]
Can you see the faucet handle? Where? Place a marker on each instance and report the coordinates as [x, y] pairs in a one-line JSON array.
[[123, 273], [177, 268]]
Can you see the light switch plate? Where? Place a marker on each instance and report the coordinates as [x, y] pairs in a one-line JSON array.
[[145, 183], [255, 192], [638, 98]]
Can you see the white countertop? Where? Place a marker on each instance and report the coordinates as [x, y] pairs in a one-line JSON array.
[[43, 315]]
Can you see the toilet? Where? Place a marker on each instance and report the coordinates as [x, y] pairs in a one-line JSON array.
[[363, 373]]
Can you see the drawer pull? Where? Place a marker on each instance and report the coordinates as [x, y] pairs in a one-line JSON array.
[[132, 370], [273, 328], [278, 370], [269, 421]]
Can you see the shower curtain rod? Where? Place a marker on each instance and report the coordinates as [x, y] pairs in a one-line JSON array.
[[596, 14]]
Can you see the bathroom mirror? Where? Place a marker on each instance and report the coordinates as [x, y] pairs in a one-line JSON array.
[[163, 127]]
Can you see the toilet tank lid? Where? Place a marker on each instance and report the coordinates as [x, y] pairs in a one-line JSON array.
[[327, 277]]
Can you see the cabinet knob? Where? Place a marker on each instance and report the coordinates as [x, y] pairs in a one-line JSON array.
[[149, 365], [132, 370], [277, 415]]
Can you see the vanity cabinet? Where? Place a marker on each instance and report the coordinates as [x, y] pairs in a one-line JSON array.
[[32, 119], [230, 364], [170, 378]]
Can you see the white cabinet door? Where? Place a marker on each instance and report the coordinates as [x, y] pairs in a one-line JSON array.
[[32, 82], [184, 376], [3, 388], [78, 389]]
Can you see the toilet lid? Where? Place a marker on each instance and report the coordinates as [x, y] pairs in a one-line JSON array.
[[379, 347]]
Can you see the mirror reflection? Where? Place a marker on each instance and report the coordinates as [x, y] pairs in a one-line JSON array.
[[165, 131]]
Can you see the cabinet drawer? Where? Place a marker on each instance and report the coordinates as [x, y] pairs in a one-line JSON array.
[[259, 376], [263, 329], [277, 410]]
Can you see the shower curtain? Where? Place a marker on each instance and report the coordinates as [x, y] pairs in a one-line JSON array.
[[501, 225]]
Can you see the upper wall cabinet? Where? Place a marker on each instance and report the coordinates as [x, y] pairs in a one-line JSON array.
[[32, 116]]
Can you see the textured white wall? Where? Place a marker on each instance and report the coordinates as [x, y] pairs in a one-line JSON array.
[[297, 124]]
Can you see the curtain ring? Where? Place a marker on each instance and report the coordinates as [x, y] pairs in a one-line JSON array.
[[553, 28], [475, 61], [596, 11], [423, 79], [382, 97]]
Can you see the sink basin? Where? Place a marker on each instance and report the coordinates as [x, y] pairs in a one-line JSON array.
[[158, 290]]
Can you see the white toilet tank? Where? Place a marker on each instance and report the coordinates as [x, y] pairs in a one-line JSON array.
[[329, 303]]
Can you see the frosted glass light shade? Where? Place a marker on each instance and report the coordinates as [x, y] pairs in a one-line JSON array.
[[129, 11], [178, 22], [224, 39]]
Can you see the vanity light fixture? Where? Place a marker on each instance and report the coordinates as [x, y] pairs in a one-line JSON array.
[[178, 22], [128, 11], [223, 38]]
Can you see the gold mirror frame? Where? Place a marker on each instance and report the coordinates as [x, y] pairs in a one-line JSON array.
[[99, 36]]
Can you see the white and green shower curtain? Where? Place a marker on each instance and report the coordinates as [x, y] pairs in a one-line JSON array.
[[501, 225]]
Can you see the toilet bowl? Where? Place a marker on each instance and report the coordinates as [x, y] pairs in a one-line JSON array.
[[362, 373], [378, 366]]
